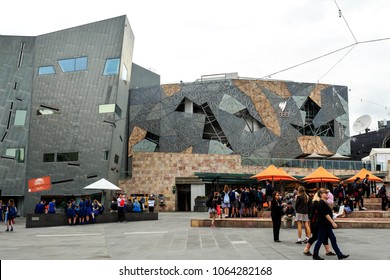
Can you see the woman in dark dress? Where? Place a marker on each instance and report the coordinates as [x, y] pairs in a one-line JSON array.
[[276, 214], [325, 224], [71, 212]]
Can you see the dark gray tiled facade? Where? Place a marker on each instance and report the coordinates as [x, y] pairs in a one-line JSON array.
[[229, 116], [76, 126]]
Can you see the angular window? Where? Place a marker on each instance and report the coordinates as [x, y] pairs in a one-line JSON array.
[[20, 155], [48, 157], [124, 73], [106, 155], [46, 70], [73, 64], [67, 157], [11, 153], [15, 153], [46, 110], [118, 111], [106, 108], [20, 117], [110, 108], [111, 67]]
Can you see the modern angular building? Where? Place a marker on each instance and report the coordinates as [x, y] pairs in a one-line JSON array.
[[74, 108], [185, 136], [252, 118], [64, 106]]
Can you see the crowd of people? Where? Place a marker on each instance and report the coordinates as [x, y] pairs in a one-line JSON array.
[[85, 211], [313, 213]]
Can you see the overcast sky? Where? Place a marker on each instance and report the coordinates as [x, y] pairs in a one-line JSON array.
[[183, 40]]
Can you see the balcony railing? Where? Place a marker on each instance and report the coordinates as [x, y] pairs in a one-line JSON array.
[[304, 163]]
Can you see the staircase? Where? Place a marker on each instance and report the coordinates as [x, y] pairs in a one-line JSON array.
[[373, 217]]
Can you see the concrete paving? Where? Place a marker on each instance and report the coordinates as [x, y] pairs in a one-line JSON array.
[[172, 238]]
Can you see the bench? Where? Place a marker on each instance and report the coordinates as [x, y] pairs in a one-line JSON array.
[[60, 219]]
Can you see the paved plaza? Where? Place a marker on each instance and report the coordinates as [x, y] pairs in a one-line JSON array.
[[171, 237]]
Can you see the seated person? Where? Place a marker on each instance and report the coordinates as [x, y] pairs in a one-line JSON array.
[[136, 206], [40, 208], [289, 215]]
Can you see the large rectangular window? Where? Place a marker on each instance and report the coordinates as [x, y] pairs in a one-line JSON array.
[[73, 64], [111, 67], [68, 156]]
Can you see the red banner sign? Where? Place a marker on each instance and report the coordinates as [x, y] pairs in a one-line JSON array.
[[39, 184]]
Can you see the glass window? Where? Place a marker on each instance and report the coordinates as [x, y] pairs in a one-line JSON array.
[[73, 64], [20, 117], [111, 67], [124, 73], [16, 153], [107, 108], [46, 70], [67, 156], [48, 157], [20, 155], [118, 111], [106, 155], [116, 159], [81, 63], [10, 152]]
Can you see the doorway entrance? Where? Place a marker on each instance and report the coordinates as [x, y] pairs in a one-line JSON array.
[[183, 197]]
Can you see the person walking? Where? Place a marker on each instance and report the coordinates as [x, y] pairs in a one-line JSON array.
[[313, 216], [10, 215], [325, 225], [302, 214], [215, 201], [276, 215]]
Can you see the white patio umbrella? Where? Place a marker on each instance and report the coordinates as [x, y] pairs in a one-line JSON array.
[[102, 185]]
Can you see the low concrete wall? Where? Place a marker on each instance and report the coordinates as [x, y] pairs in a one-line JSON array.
[[53, 220]]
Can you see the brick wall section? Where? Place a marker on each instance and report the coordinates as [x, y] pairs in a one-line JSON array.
[[156, 172]]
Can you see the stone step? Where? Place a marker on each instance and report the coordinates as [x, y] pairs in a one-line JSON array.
[[267, 222]]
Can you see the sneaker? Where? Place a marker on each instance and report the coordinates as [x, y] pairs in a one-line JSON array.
[[364, 208], [293, 227], [306, 240], [298, 242]]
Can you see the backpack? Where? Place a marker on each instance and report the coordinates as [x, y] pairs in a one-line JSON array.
[[11, 211], [226, 198], [232, 196]]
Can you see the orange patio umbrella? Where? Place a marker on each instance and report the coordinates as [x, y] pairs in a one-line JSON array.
[[321, 175], [272, 173], [362, 174]]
